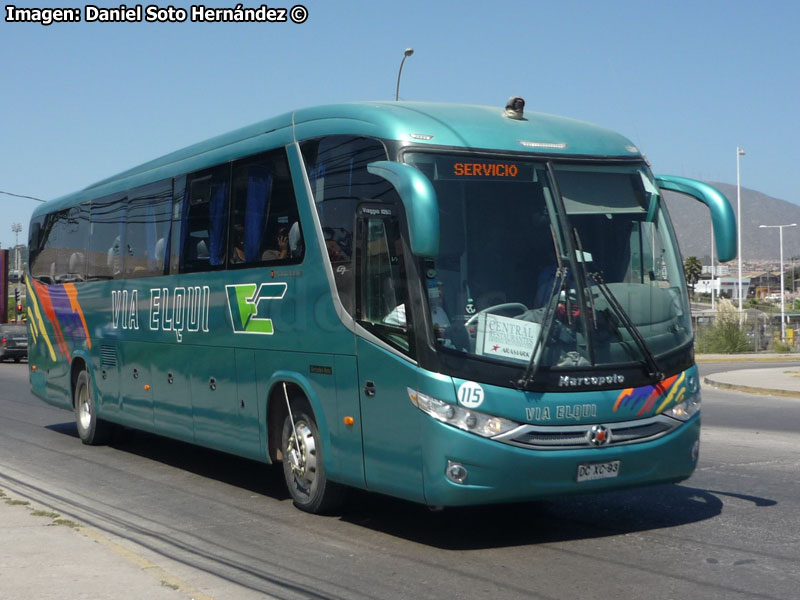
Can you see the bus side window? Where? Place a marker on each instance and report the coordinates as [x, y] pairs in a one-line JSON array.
[[204, 219], [147, 229], [108, 217], [265, 223], [61, 257], [337, 171], [383, 299]]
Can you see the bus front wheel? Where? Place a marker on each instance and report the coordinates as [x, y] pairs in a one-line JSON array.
[[91, 430], [303, 466]]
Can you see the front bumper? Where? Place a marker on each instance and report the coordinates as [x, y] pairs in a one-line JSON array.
[[498, 472]]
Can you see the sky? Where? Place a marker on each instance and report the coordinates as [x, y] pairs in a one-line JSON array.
[[688, 81]]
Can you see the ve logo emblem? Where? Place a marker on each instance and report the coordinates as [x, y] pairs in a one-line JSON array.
[[243, 304]]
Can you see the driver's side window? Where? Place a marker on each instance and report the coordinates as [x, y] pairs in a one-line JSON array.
[[382, 298]]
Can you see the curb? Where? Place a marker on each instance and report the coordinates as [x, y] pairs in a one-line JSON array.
[[751, 389], [731, 358]]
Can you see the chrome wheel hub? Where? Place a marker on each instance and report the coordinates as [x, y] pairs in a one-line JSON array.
[[301, 451], [84, 408]]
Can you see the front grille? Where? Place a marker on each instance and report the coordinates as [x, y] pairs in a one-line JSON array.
[[566, 437]]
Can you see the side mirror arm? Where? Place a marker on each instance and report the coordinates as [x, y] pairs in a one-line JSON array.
[[722, 217], [420, 203]]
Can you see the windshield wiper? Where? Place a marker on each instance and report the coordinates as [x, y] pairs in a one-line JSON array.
[[614, 304], [559, 282], [544, 332]]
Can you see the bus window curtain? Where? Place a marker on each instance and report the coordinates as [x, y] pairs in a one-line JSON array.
[[217, 225], [259, 184]]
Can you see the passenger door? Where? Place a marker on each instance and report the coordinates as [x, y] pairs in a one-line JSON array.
[[390, 423]]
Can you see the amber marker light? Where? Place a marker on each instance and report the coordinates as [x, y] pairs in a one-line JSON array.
[[33, 367], [349, 421], [146, 387]]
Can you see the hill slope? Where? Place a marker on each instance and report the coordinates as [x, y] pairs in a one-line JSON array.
[[693, 224]]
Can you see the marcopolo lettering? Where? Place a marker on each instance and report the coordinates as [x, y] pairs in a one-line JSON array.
[[567, 381]]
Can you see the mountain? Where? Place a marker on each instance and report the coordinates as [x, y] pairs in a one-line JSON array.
[[693, 224]]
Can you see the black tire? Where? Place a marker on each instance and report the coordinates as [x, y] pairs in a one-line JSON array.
[[17, 359], [91, 430], [303, 465]]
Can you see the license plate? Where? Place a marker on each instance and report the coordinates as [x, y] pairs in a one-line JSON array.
[[593, 471]]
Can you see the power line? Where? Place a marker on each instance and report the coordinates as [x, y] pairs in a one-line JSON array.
[[21, 196]]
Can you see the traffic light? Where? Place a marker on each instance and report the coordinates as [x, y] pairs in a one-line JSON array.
[[17, 301]]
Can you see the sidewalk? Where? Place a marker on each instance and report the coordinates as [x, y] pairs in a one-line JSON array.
[[45, 556], [776, 381], [781, 381], [751, 357]]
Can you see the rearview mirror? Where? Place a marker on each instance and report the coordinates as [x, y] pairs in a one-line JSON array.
[[420, 203], [722, 217]]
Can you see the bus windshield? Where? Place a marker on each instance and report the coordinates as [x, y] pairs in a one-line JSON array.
[[576, 272]]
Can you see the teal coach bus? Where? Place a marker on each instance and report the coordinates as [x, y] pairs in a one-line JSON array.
[[445, 303]]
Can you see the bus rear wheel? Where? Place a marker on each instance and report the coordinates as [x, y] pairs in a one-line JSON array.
[[303, 466], [91, 430]]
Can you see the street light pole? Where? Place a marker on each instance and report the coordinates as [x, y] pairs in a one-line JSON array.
[[739, 152], [16, 228], [783, 307], [713, 307], [406, 54]]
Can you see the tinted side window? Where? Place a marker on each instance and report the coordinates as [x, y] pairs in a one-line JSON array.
[[36, 235], [147, 229], [205, 219], [265, 226], [337, 171], [383, 295], [106, 238], [61, 257]]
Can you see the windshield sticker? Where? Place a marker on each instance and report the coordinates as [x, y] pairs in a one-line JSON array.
[[470, 394], [512, 339], [243, 305]]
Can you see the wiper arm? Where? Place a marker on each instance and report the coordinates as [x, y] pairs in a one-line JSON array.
[[547, 322], [652, 364], [544, 332]]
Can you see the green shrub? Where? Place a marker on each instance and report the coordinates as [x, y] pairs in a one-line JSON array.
[[726, 336]]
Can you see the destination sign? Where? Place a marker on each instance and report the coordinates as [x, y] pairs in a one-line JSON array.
[[485, 169], [475, 168]]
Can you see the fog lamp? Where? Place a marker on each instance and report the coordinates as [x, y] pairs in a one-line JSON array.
[[456, 472]]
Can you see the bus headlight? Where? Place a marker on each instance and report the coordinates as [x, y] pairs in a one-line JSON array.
[[686, 409], [457, 416]]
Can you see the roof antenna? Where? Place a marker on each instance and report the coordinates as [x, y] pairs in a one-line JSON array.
[[406, 54], [514, 108]]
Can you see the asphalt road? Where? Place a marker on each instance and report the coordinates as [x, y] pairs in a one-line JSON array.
[[731, 531]]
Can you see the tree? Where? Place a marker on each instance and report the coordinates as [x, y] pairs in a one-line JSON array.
[[691, 270]]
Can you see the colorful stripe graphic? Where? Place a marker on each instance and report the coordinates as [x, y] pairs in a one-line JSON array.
[[60, 305], [670, 391]]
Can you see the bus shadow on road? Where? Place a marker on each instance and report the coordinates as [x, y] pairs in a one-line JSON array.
[[543, 521], [560, 519], [254, 476]]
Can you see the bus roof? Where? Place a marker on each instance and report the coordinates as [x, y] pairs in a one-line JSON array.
[[421, 123]]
